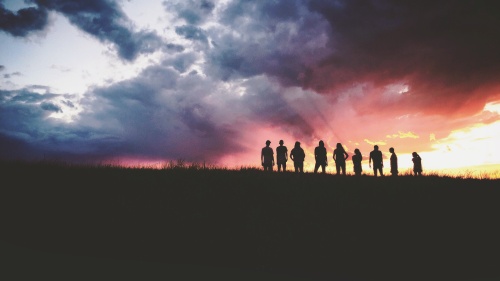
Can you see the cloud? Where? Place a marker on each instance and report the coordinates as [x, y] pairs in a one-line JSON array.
[[104, 20], [192, 33], [281, 39], [375, 142], [24, 21], [9, 75], [160, 114], [50, 107], [25, 129], [403, 135], [444, 51], [193, 12]]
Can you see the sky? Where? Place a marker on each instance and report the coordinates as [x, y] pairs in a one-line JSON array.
[[149, 82]]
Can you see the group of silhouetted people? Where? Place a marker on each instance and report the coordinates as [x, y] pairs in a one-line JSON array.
[[297, 155], [339, 156]]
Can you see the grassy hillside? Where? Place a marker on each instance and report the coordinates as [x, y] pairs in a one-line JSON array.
[[310, 226]]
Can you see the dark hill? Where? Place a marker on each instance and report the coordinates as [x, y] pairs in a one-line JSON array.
[[308, 227]]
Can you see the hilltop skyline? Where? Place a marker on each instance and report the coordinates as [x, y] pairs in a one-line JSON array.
[[210, 81]]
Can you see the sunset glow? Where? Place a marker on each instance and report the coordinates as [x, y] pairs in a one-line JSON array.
[[146, 83]]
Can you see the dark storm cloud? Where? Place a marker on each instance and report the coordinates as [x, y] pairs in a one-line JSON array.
[[26, 132], [446, 51], [192, 33], [106, 21], [266, 105], [50, 107], [24, 21], [182, 62], [194, 12], [280, 38], [162, 114]]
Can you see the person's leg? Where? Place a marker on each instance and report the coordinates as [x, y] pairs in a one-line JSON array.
[[316, 167], [337, 168], [343, 168], [374, 171], [284, 167], [323, 167], [301, 167]]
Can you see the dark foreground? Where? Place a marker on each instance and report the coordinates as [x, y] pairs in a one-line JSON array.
[[107, 223]]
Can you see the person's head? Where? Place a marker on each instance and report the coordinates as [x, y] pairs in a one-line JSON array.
[[281, 142], [339, 145], [321, 143], [375, 147], [297, 144], [414, 154], [268, 142], [357, 152], [391, 150]]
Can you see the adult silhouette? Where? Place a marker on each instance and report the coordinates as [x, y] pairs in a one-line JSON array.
[[320, 157], [267, 157], [394, 162], [297, 155], [417, 164], [281, 156], [339, 156], [376, 157], [356, 162]]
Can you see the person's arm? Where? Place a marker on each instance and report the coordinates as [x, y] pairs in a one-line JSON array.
[[346, 155], [262, 157], [334, 156], [370, 161]]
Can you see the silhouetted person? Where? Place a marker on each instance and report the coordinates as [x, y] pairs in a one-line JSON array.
[[376, 157], [320, 157], [267, 157], [417, 164], [297, 155], [356, 162], [339, 156], [281, 156], [394, 162]]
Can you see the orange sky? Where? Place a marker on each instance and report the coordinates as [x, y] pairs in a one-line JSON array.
[[464, 151]]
